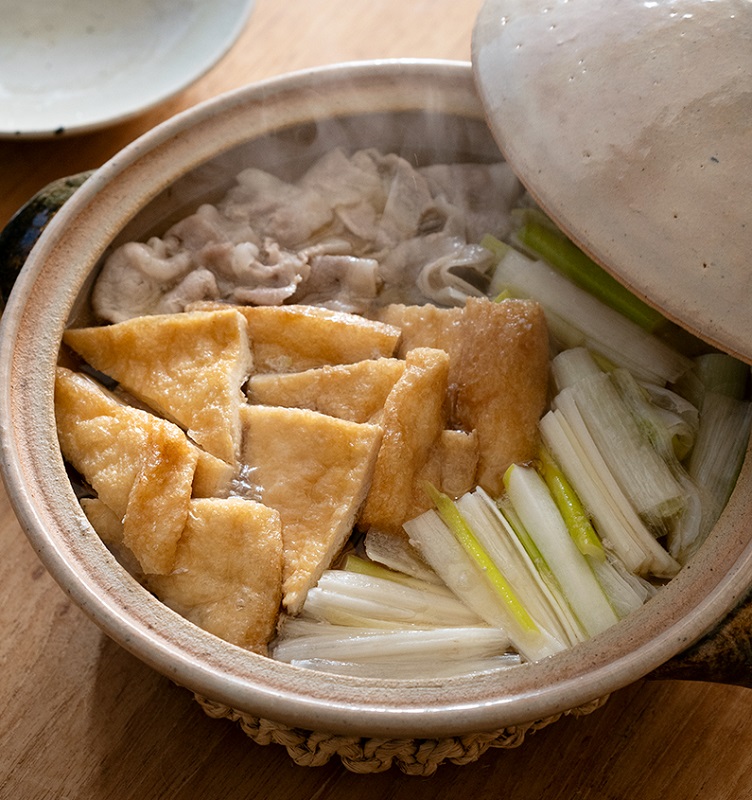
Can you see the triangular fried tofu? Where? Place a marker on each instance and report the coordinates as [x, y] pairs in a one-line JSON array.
[[295, 338], [348, 391], [315, 470], [187, 367], [140, 466], [228, 567], [228, 571], [414, 417]]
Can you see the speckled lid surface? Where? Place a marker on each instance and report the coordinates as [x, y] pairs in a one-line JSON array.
[[631, 124]]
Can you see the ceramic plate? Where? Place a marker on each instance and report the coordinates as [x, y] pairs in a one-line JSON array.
[[82, 64]]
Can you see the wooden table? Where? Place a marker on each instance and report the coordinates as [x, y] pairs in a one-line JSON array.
[[80, 718]]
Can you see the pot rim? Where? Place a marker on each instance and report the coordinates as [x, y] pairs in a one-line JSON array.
[[35, 478]]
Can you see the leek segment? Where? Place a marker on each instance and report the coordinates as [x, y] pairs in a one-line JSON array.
[[641, 442], [515, 523], [457, 556], [542, 596], [571, 508], [645, 476], [722, 440], [718, 385], [363, 566], [353, 599], [553, 247], [451, 516], [395, 553], [565, 434], [722, 374], [393, 653], [540, 516], [642, 473], [411, 669], [687, 528], [550, 584]]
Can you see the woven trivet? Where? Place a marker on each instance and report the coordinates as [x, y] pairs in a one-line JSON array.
[[364, 755]]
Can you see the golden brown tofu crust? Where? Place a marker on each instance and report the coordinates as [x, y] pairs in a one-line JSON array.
[[187, 367], [356, 392], [315, 470], [228, 571], [502, 383], [228, 567], [109, 527], [296, 338], [425, 326], [139, 465], [158, 502], [413, 418], [452, 465], [213, 476], [498, 377]]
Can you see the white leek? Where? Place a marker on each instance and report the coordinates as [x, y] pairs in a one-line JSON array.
[[468, 576], [502, 545], [396, 553], [721, 444], [551, 586], [641, 472], [532, 501], [349, 598], [362, 644], [412, 669], [570, 508], [619, 525]]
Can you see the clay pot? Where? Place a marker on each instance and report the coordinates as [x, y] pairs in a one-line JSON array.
[[429, 110]]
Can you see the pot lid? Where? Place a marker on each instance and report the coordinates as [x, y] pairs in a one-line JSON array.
[[630, 123]]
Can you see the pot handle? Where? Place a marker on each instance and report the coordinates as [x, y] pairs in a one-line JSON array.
[[27, 225], [723, 656]]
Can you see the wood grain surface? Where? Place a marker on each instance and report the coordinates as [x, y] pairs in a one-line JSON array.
[[81, 719]]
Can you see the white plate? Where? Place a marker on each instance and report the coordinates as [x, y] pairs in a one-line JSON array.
[[76, 65]]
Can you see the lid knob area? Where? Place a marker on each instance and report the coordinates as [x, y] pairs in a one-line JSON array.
[[630, 122]]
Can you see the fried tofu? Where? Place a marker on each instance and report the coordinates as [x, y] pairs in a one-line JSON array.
[[213, 476], [498, 376], [228, 571], [356, 392], [109, 527], [187, 367], [140, 466], [228, 567], [296, 338], [425, 326], [414, 416], [348, 419], [451, 466], [315, 470], [502, 383]]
